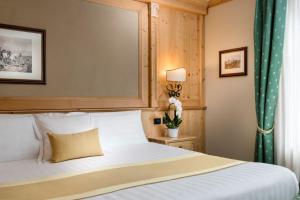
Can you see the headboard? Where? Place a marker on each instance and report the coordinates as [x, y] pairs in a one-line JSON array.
[[96, 55]]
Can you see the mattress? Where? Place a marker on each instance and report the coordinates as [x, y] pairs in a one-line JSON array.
[[249, 181]]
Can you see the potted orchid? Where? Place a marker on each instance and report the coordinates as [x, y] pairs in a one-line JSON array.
[[173, 124]]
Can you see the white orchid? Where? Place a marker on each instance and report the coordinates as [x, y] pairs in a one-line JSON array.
[[177, 104], [175, 123], [179, 112], [172, 100]]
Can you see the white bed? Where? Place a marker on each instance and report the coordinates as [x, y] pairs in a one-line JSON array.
[[249, 181]]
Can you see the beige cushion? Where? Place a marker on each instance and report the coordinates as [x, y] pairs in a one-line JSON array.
[[77, 145]]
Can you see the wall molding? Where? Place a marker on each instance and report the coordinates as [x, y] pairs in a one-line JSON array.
[[213, 3], [193, 6], [58, 110], [13, 104]]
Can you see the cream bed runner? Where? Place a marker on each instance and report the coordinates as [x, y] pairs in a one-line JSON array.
[[105, 180]]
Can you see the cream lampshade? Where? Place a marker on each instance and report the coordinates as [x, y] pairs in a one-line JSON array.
[[176, 75]]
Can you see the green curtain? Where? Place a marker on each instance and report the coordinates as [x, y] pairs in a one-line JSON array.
[[268, 46]]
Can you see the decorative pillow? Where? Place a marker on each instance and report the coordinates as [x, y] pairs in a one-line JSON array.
[[63, 124], [77, 145], [17, 138], [119, 128]]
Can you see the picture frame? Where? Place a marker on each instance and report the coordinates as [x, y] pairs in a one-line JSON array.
[[233, 62], [22, 55]]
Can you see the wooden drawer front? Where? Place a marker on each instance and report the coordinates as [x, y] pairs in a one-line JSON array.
[[185, 145]]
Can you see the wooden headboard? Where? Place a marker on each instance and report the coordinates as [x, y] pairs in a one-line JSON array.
[[173, 38], [96, 55]]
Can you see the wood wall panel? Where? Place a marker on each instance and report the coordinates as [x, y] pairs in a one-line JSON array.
[[75, 103], [180, 44], [193, 125], [176, 38]]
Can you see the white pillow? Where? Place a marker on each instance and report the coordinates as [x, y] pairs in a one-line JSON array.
[[62, 124], [119, 128], [17, 138], [61, 114]]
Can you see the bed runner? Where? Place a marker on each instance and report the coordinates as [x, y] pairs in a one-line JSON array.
[[105, 180]]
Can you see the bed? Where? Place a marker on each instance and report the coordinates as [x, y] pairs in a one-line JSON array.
[[247, 181]]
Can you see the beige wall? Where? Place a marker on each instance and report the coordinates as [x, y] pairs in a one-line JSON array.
[[91, 49], [231, 121]]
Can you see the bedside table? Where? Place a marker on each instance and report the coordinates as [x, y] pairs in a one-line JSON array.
[[184, 142]]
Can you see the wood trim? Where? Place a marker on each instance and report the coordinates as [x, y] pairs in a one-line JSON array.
[[36, 104], [153, 60], [143, 55], [194, 6], [11, 104], [168, 140], [124, 4], [213, 3], [202, 60], [60, 109], [202, 135]]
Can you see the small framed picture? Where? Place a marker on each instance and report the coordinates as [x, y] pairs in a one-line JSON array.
[[22, 55], [233, 62]]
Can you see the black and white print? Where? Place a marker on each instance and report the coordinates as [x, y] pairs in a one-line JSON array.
[[15, 54], [22, 55]]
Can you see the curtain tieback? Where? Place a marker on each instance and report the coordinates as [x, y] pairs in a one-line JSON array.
[[265, 132]]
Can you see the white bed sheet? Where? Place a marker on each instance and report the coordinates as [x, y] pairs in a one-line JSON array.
[[250, 181]]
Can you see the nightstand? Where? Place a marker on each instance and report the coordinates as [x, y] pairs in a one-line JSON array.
[[185, 142]]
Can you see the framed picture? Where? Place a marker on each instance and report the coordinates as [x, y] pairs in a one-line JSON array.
[[233, 62], [22, 55]]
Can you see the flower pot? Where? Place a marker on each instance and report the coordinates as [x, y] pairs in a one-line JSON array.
[[173, 132]]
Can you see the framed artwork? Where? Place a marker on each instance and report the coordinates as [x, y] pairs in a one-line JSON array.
[[233, 62], [22, 55]]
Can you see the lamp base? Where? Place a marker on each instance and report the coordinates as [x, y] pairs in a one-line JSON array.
[[174, 89]]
